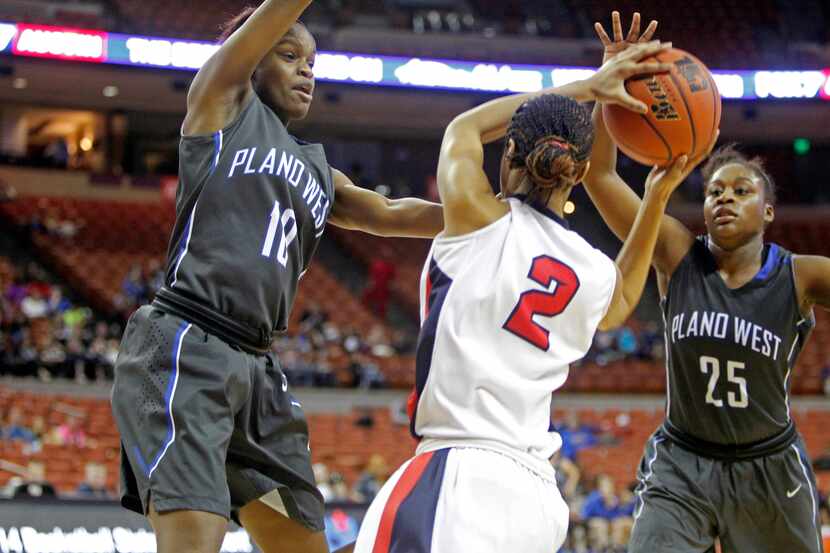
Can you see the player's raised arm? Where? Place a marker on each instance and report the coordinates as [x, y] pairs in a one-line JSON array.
[[469, 201], [616, 201], [635, 258], [356, 208], [223, 84], [813, 280]]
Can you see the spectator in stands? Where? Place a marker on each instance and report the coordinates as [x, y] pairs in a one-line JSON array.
[[626, 341], [34, 306], [52, 360], [576, 436], [378, 342], [351, 340], [376, 294], [95, 482], [603, 351], [41, 436], [367, 373], [312, 318], [57, 302], [338, 487], [71, 433], [34, 484], [321, 476], [341, 529], [8, 193], [14, 429], [651, 342], [134, 287], [825, 379], [567, 476], [370, 482], [606, 515]]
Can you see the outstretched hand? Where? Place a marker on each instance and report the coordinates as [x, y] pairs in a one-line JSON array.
[[665, 180], [608, 84], [620, 44]]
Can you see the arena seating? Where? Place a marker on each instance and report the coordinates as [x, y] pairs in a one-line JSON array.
[[345, 446], [113, 236], [407, 255]]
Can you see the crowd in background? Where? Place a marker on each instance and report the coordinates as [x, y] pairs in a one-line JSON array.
[[44, 334]]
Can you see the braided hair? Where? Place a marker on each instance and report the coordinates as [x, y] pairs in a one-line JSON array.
[[553, 136]]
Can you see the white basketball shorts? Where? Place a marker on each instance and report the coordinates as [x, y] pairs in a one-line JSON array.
[[461, 500]]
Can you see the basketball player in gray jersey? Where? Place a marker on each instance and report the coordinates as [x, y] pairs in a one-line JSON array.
[[727, 463], [208, 427]]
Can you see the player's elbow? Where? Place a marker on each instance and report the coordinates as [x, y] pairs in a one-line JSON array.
[[616, 316]]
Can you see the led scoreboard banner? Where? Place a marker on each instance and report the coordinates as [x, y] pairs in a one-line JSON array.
[[93, 46]]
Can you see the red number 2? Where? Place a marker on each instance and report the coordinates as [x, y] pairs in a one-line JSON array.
[[544, 270]]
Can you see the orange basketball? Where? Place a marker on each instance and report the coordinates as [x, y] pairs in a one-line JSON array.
[[684, 112]]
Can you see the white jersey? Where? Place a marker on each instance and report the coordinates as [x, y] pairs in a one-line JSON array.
[[505, 310]]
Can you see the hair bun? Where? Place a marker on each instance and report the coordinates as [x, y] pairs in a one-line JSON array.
[[551, 164]]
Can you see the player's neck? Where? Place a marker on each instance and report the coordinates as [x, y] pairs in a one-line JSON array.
[[557, 201], [745, 259]]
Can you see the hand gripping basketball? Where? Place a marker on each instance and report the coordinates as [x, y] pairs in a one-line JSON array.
[[608, 84], [665, 180]]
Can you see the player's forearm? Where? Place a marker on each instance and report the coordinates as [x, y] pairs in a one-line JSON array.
[[634, 260], [617, 203], [490, 120], [411, 218]]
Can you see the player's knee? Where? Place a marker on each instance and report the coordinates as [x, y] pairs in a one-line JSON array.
[[191, 531]]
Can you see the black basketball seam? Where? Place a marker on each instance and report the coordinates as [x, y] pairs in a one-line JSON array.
[[660, 136], [688, 111], [715, 110], [643, 153]]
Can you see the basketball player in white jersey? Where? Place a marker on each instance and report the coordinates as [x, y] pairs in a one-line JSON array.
[[510, 297]]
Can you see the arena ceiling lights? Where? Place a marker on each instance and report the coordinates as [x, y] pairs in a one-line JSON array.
[[140, 51]]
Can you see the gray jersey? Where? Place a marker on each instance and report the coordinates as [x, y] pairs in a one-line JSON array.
[[251, 208], [731, 353]]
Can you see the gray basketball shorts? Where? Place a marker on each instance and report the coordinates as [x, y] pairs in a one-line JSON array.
[[763, 505], [207, 427]]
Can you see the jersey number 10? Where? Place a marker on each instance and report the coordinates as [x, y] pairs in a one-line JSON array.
[[288, 222], [544, 270], [711, 366]]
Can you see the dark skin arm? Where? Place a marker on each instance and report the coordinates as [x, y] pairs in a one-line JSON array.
[[616, 201], [223, 84], [812, 276], [357, 208]]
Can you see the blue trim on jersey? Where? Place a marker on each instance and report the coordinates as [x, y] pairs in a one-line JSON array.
[[182, 248], [773, 259], [426, 338], [168, 413], [217, 149], [415, 519]]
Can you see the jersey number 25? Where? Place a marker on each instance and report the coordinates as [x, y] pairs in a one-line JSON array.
[[544, 270]]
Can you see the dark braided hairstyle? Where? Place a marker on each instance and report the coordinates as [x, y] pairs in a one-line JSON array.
[[730, 154], [553, 136]]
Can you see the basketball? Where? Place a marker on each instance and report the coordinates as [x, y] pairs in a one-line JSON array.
[[684, 112]]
